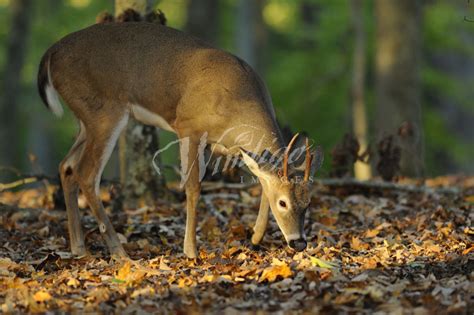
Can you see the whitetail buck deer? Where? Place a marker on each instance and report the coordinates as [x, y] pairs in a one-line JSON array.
[[163, 77]]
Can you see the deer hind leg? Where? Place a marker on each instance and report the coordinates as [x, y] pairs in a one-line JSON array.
[[262, 220], [101, 138], [67, 172], [189, 149]]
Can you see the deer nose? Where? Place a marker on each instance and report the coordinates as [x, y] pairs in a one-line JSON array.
[[298, 245]]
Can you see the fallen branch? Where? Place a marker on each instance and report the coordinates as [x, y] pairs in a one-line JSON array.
[[212, 186], [28, 179], [17, 183], [352, 182], [208, 200], [209, 186], [33, 178]]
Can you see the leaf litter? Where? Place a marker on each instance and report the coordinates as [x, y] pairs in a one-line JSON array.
[[386, 252]]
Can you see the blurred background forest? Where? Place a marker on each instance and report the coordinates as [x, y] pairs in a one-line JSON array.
[[321, 60]]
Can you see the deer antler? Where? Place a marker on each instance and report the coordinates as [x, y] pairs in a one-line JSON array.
[[285, 156], [308, 160]]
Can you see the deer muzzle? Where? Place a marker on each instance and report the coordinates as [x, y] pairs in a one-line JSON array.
[[298, 244]]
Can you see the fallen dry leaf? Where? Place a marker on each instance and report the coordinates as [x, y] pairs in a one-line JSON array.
[[271, 273], [396, 253], [42, 296]]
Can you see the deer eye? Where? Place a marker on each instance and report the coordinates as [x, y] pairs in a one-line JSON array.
[[282, 204]]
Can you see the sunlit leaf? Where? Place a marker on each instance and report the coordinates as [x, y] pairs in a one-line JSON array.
[[469, 198], [322, 263], [42, 296], [73, 282], [271, 273]]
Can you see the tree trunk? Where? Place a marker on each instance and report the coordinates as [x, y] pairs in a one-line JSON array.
[[398, 79], [251, 33], [203, 19], [15, 58], [138, 142], [362, 170]]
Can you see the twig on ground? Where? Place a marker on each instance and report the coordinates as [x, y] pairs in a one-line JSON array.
[[33, 178], [17, 183], [209, 186], [28, 179], [208, 198]]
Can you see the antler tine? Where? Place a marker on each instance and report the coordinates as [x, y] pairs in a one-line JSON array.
[[308, 159], [285, 156]]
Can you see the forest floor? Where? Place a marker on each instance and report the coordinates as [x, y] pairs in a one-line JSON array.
[[370, 250]]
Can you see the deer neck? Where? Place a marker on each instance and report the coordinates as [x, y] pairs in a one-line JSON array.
[[269, 139]]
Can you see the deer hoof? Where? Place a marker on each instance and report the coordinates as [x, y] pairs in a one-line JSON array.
[[79, 251], [118, 253], [256, 239], [191, 252]]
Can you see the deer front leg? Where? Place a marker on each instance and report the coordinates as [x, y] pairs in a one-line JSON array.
[[262, 220], [190, 173]]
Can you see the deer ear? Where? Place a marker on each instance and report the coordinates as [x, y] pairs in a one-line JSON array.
[[316, 162], [250, 160], [318, 158]]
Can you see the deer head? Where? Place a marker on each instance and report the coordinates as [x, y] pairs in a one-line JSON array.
[[287, 188]]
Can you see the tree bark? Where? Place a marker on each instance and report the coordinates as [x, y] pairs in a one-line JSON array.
[[15, 58], [251, 33], [362, 170], [397, 67], [203, 20], [138, 142]]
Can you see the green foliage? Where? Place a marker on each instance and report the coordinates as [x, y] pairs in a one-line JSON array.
[[307, 74], [447, 39], [443, 143], [3, 38]]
